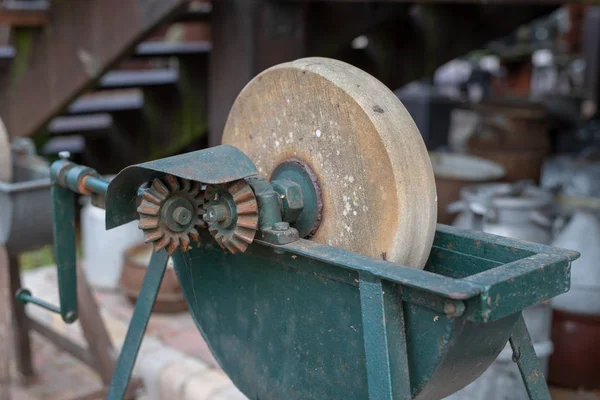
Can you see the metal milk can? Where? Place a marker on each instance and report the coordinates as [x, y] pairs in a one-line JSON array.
[[514, 210]]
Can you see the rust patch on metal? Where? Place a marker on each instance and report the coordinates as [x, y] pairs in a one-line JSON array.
[[81, 186], [534, 376]]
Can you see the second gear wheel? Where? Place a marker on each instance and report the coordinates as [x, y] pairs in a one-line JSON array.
[[232, 215]]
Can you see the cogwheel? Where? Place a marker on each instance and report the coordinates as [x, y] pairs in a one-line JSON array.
[[171, 212], [232, 215]]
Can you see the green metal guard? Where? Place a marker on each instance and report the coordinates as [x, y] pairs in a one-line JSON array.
[[302, 320]]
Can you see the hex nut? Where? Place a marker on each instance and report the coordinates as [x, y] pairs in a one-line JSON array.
[[291, 198]]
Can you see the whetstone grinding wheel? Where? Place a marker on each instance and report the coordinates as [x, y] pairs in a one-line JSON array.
[[5, 155], [377, 186]]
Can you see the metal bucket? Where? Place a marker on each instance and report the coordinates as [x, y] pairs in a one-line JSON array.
[[511, 210], [103, 250], [25, 216], [583, 234], [454, 171]]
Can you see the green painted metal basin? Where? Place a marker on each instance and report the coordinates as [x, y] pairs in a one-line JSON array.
[[286, 322]]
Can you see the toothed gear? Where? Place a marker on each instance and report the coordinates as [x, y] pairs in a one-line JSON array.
[[170, 212], [232, 215]]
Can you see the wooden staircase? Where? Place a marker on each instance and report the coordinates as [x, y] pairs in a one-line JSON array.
[[131, 82]]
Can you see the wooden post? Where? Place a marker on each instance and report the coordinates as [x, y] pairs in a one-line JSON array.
[[95, 333], [248, 37], [21, 340], [5, 326]]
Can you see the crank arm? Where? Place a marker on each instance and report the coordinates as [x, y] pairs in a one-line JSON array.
[[68, 180]]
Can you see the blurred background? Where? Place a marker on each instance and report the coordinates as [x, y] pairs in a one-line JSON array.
[[505, 94]]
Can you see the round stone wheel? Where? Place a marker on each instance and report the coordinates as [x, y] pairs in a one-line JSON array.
[[376, 182]]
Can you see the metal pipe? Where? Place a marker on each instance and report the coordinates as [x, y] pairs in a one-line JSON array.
[[24, 296], [95, 184]]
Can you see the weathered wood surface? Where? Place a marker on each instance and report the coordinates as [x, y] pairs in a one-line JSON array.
[[81, 41], [30, 13], [21, 339], [247, 38], [5, 326]]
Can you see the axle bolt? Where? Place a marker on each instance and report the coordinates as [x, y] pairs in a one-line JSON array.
[[182, 215], [281, 226], [216, 213]]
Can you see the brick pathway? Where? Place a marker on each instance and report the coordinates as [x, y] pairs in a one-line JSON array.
[[174, 361]]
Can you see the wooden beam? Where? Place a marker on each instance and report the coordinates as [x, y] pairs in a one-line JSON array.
[[520, 2], [247, 38], [62, 342], [70, 55], [5, 326], [30, 13], [100, 347], [21, 340], [408, 42]]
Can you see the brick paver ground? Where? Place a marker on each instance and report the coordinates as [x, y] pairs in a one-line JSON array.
[[174, 361], [60, 376]]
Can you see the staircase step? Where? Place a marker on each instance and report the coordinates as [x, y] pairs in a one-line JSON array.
[[24, 12], [73, 144], [139, 78], [7, 52], [170, 49], [196, 12], [80, 123], [101, 102]]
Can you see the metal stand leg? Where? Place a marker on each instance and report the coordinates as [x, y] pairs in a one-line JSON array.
[[529, 365], [137, 326], [379, 374]]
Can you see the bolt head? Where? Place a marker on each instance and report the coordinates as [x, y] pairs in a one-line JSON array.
[[64, 155], [216, 213], [292, 199], [182, 215], [281, 226]]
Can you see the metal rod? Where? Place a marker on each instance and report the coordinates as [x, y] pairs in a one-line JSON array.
[[63, 207], [96, 185], [379, 376], [137, 327], [24, 296], [529, 365]]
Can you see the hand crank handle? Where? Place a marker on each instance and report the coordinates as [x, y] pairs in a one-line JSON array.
[[67, 180]]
